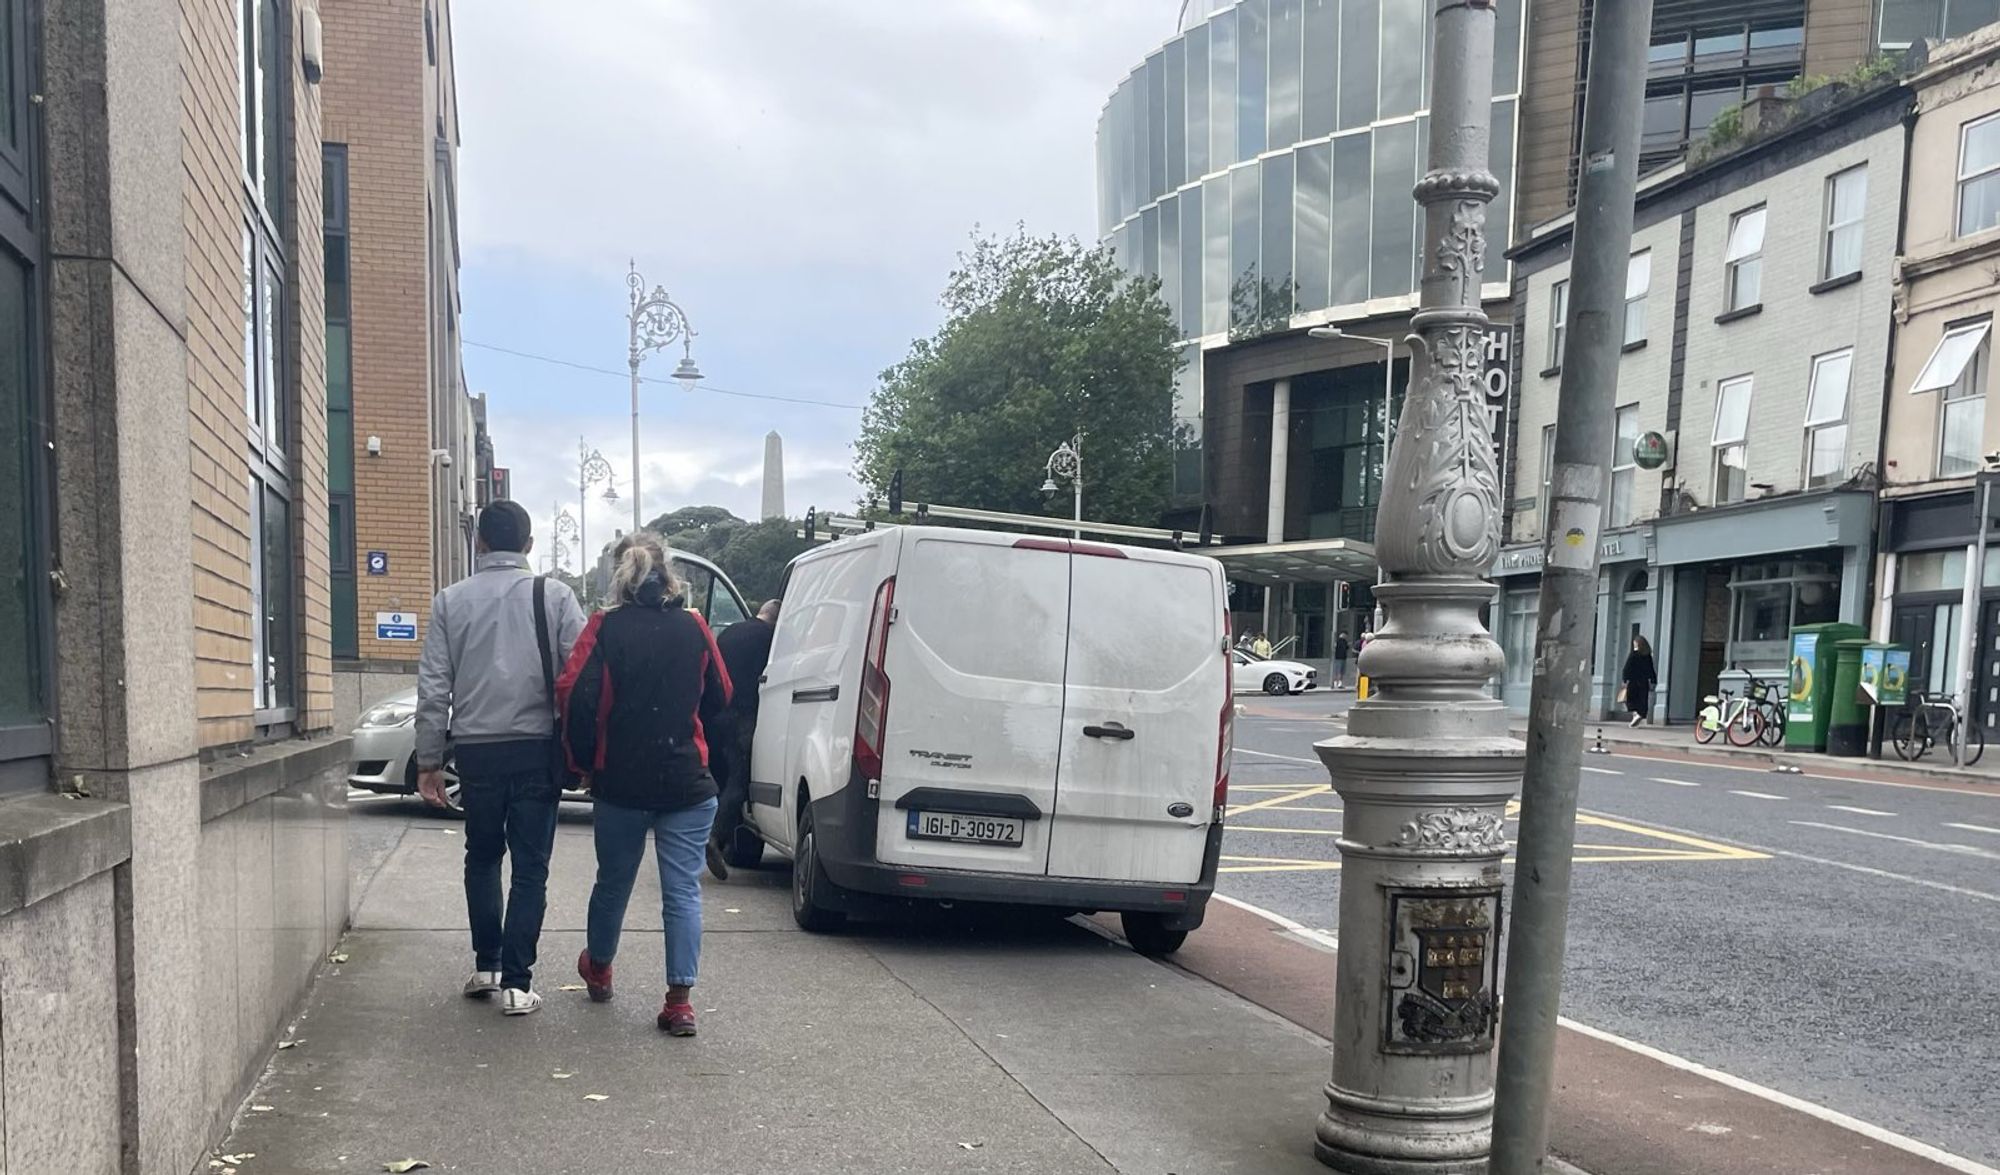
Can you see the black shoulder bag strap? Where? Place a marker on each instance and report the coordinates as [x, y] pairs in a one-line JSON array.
[[542, 642]]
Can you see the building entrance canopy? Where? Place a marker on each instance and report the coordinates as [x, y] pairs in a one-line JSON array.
[[1308, 561]]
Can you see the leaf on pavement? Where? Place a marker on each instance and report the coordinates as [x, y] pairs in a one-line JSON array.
[[597, 1097], [404, 1166], [337, 957], [262, 1109], [291, 1044], [570, 987], [562, 1076], [970, 1146]]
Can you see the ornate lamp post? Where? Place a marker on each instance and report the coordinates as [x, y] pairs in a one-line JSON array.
[[1067, 463], [591, 468], [1426, 767], [563, 528], [657, 323]]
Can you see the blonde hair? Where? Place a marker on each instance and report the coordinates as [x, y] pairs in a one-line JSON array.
[[637, 556]]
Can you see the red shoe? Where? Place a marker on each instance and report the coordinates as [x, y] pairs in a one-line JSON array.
[[596, 977], [677, 1019]]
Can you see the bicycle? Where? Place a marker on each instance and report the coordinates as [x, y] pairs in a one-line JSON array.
[[1740, 719], [1769, 699], [1930, 721]]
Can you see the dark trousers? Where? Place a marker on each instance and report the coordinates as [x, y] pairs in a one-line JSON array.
[[731, 756], [508, 811]]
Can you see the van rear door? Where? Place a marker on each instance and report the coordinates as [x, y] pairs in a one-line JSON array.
[[975, 716], [1142, 721]]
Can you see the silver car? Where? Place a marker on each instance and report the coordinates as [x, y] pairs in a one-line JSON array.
[[385, 743]]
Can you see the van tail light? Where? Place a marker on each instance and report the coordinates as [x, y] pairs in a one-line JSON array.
[[1225, 742], [871, 717]]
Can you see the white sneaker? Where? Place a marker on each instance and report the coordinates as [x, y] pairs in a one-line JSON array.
[[482, 984], [515, 1002]]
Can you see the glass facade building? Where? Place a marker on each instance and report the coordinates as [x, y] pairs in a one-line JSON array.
[[1260, 165]]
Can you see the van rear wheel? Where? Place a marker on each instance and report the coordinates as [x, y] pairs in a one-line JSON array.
[[1149, 935], [1276, 685], [810, 885], [744, 850]]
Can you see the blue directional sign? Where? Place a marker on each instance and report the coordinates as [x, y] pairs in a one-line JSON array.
[[378, 562], [395, 626]]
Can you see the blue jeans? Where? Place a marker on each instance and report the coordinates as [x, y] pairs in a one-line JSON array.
[[508, 812], [680, 839]]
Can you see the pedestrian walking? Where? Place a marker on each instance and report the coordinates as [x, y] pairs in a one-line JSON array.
[[746, 650], [642, 690], [1341, 651], [487, 673], [1637, 690]]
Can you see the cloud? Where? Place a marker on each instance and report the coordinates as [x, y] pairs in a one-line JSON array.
[[799, 174]]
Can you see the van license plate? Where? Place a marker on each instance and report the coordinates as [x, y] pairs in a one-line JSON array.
[[955, 826]]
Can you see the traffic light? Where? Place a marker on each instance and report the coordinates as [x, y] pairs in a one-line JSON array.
[[1343, 596], [812, 522], [896, 493]]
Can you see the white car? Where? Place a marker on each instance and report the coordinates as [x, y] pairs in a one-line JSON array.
[[1277, 678], [974, 716]]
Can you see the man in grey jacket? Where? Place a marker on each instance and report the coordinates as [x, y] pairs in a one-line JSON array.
[[481, 676]]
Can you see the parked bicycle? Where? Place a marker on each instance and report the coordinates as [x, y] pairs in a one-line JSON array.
[[1931, 721], [1741, 720], [1769, 698]]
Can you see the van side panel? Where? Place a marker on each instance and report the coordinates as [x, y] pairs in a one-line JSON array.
[[1145, 656], [975, 665], [805, 723]]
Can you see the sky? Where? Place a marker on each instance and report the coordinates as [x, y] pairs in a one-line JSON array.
[[798, 174]]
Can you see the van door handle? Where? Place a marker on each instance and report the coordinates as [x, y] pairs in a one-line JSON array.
[[1111, 730]]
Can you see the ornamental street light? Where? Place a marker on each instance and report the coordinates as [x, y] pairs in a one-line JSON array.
[[591, 468], [1427, 765], [1067, 463], [657, 322]]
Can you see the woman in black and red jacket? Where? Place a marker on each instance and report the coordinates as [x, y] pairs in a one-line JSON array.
[[642, 687]]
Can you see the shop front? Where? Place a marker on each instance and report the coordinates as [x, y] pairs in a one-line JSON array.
[[1735, 581], [1626, 603], [1931, 540]]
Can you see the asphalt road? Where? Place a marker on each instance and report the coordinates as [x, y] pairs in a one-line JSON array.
[[1834, 939]]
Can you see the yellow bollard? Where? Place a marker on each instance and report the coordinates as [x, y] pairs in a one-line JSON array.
[[1361, 689]]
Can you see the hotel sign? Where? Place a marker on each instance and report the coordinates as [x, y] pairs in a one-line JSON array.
[[1530, 558]]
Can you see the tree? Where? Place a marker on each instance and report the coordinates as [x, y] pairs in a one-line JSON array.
[[752, 554], [1043, 336]]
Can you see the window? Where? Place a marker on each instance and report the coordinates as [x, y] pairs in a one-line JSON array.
[[1979, 175], [1826, 419], [1523, 609], [1731, 439], [1638, 276], [1622, 507], [1905, 22], [266, 396], [1548, 469], [1558, 319], [1846, 200], [1744, 260], [339, 404], [1957, 369]]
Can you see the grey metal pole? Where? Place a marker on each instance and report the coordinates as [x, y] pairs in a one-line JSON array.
[[1427, 765], [1968, 627], [637, 521], [1613, 92], [1076, 486]]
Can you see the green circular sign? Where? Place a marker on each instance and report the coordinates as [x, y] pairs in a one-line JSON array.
[[1650, 450]]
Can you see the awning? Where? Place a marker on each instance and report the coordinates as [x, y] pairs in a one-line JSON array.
[[1308, 561]]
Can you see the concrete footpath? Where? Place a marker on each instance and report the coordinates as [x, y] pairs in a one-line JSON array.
[[1016, 1043]]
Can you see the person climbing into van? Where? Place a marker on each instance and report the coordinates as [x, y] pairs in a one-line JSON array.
[[1638, 680], [640, 693], [746, 650]]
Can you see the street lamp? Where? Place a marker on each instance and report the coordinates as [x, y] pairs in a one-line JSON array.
[[657, 323], [1427, 764], [1067, 463], [1335, 334], [591, 468], [563, 527]]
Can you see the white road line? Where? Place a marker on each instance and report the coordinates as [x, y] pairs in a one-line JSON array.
[[1870, 871], [1286, 758], [1974, 828], [1678, 782], [1962, 850], [1755, 795], [1812, 1109], [1867, 1130], [1764, 769], [1860, 811], [1602, 771]]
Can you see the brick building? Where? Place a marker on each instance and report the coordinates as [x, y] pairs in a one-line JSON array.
[[410, 461], [171, 796], [1758, 327]]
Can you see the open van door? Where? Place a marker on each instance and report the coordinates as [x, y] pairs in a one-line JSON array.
[[1147, 694], [975, 718]]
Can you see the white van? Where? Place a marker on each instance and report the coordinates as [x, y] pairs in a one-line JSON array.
[[976, 716]]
